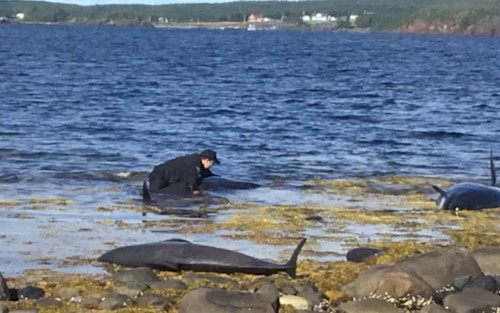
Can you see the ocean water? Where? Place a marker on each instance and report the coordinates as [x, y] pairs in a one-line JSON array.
[[84, 106]]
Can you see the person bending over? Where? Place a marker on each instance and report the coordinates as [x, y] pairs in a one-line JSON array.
[[183, 174]]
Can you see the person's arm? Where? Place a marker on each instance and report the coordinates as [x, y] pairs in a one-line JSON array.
[[191, 179], [207, 173]]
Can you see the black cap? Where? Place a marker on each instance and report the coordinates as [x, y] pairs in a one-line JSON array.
[[210, 154]]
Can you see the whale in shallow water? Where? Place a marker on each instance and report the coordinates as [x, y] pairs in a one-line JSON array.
[[209, 183], [470, 196], [178, 254]]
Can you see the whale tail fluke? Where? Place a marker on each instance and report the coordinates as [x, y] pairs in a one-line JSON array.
[[492, 170], [146, 197], [292, 263]]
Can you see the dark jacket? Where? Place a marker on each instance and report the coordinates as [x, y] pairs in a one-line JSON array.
[[184, 169]]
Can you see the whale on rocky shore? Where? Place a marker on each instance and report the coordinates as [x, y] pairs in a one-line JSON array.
[[470, 196], [178, 254]]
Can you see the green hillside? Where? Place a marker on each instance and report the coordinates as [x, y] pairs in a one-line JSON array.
[[373, 14]]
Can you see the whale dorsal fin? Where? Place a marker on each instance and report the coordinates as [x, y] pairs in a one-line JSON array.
[[441, 191], [492, 170]]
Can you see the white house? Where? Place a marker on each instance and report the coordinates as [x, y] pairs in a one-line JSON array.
[[20, 16], [319, 17]]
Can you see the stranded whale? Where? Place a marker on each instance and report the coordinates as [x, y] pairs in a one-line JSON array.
[[213, 183], [178, 254], [470, 196]]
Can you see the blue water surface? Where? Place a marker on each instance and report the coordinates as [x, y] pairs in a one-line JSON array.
[[87, 111], [276, 105]]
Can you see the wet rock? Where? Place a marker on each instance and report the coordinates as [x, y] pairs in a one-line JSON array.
[[488, 259], [194, 277], [362, 254], [487, 283], [113, 302], [30, 292], [131, 290], [471, 301], [270, 293], [314, 218], [4, 308], [159, 302], [66, 293], [440, 267], [140, 274], [288, 290], [45, 302], [433, 308], [391, 280], [168, 284], [368, 306], [4, 290], [30, 310], [297, 302], [91, 301], [208, 300], [309, 292]]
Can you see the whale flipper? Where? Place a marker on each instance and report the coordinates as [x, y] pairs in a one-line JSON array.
[[146, 197], [492, 170]]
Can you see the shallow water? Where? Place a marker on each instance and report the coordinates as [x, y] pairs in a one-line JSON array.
[[86, 112]]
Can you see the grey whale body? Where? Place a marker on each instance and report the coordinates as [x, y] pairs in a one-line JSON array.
[[213, 183], [178, 255], [470, 196]]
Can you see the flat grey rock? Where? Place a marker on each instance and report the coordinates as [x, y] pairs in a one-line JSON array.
[[440, 267], [140, 274], [471, 301], [391, 280], [487, 283], [488, 259], [434, 308], [113, 302], [368, 306], [157, 301], [169, 284], [208, 300]]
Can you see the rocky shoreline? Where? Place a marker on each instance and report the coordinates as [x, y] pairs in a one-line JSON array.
[[442, 280], [411, 259]]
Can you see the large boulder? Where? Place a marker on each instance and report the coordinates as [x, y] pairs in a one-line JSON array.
[[208, 300], [471, 301], [391, 280], [368, 306], [488, 259], [440, 267], [139, 274], [433, 308]]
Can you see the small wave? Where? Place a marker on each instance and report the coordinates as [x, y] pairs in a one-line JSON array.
[[439, 134], [9, 178], [106, 175]]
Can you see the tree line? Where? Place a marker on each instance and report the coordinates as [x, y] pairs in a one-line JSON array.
[[372, 14]]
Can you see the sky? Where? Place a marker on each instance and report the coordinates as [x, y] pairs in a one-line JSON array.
[[150, 2]]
